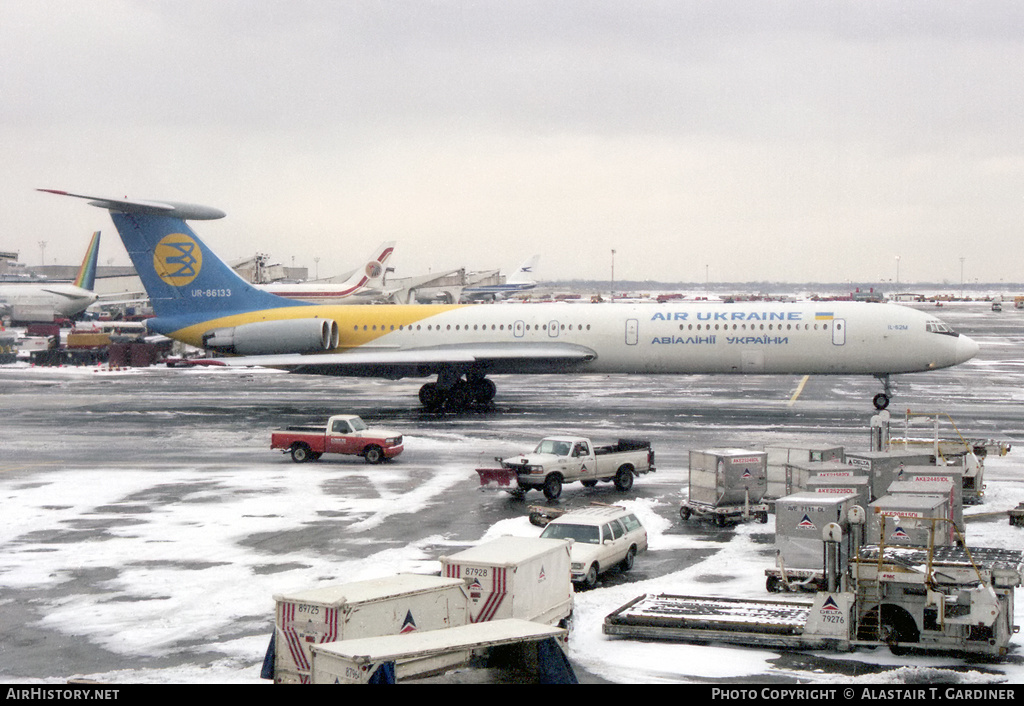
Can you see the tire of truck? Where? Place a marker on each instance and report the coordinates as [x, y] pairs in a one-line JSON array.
[[720, 520], [301, 453], [373, 454], [627, 561], [684, 513], [553, 486], [624, 478]]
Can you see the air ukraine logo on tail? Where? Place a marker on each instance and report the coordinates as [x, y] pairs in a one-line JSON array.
[[177, 259]]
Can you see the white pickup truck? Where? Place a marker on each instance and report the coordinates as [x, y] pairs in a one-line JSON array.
[[564, 459]]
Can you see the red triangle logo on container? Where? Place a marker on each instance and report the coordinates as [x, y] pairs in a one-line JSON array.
[[409, 625], [830, 604], [805, 523], [898, 533]]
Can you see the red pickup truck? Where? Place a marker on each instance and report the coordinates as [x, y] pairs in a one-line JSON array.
[[343, 434]]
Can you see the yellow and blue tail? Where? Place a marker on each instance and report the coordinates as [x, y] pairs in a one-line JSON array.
[[187, 283]]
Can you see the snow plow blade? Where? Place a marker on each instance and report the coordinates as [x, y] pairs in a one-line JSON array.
[[498, 479]]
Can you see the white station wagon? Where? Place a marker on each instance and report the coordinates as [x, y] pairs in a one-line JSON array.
[[603, 537]]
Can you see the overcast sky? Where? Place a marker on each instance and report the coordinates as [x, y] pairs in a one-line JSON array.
[[821, 141]]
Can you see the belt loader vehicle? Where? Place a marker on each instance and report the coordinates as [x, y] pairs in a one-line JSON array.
[[942, 599]]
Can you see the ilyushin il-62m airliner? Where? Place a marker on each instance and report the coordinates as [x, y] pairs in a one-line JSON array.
[[201, 301]]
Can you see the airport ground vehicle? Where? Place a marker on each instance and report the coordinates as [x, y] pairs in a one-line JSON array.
[[726, 485], [343, 434], [604, 536], [564, 459], [937, 599]]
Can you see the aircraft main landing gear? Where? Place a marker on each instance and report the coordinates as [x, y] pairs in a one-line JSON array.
[[458, 393]]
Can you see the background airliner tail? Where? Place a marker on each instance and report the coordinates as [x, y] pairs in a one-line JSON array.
[[86, 278], [526, 274]]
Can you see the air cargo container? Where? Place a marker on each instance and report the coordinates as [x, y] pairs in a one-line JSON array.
[[387, 606], [799, 544], [935, 474], [884, 467], [392, 659], [780, 457], [515, 577], [830, 484], [727, 485], [934, 485], [801, 471], [909, 520]]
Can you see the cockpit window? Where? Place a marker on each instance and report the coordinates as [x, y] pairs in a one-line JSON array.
[[937, 326]]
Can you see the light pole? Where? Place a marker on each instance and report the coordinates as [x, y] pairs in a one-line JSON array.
[[897, 273], [961, 278], [613, 275]]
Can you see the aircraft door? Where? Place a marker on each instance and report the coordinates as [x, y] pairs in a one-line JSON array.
[[632, 332], [838, 332], [552, 329], [518, 329]]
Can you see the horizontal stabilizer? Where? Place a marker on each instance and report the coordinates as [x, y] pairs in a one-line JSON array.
[[172, 209]]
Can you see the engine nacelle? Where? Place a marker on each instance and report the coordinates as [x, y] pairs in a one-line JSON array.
[[267, 337]]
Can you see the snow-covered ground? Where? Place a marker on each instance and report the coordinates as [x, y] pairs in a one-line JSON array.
[[146, 527]]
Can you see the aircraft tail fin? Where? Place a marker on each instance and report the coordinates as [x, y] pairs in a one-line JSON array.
[[376, 267], [368, 279], [185, 280], [86, 278], [526, 272]]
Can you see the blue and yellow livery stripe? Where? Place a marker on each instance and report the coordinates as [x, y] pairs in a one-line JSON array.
[[357, 325], [823, 316]]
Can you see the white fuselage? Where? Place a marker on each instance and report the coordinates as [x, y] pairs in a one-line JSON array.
[[807, 338], [62, 298]]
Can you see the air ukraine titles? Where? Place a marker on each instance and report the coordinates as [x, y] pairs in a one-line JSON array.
[[726, 316]]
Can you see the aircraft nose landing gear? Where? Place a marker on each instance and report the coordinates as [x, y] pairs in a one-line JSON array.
[[882, 399]]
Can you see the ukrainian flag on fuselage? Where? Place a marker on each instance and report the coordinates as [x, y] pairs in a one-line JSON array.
[[186, 282], [823, 316]]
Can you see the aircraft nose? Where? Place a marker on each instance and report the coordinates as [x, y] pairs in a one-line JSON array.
[[966, 348]]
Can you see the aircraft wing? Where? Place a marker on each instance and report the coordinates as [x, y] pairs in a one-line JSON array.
[[420, 362]]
